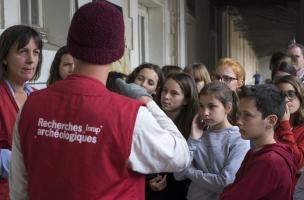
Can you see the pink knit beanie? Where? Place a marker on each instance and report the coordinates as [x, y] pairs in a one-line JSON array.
[[96, 33]]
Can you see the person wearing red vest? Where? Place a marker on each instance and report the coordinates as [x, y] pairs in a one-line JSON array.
[[76, 140], [20, 61]]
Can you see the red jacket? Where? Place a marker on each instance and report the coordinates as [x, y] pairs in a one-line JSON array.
[[76, 139], [265, 174], [293, 137]]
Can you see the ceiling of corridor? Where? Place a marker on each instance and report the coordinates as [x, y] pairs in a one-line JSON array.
[[269, 25]]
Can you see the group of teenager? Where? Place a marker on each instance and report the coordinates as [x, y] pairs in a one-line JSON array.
[[218, 126], [157, 133]]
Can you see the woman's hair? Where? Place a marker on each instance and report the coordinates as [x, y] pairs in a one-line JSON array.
[[199, 72], [184, 120], [131, 77], [21, 35], [224, 94], [236, 67], [54, 70], [111, 85], [169, 69], [284, 67], [296, 83]]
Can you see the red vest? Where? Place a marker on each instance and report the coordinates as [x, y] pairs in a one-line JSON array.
[[76, 139], [8, 113]]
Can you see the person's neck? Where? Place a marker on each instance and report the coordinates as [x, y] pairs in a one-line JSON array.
[[221, 125], [99, 72], [18, 86], [263, 139], [173, 114]]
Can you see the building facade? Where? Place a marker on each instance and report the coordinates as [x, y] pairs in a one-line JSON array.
[[159, 31]]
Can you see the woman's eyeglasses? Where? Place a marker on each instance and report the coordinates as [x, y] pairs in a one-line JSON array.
[[290, 94], [224, 78]]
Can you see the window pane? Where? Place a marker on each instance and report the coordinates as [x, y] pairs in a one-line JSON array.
[[35, 12], [24, 11]]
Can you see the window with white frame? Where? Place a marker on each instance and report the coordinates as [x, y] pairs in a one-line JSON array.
[[31, 12], [143, 45]]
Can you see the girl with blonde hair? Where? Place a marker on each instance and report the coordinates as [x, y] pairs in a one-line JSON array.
[[231, 72]]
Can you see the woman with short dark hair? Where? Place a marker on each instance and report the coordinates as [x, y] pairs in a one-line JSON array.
[[20, 62]]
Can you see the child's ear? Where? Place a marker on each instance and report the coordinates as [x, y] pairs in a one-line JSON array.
[[271, 121], [228, 107]]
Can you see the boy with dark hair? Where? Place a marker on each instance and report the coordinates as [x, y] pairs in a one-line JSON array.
[[268, 170]]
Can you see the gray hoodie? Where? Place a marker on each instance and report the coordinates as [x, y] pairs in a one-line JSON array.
[[299, 190], [217, 157]]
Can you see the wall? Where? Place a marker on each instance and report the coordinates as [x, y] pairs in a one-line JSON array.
[[157, 43], [202, 35], [56, 25], [207, 42], [239, 49], [191, 39], [181, 32], [11, 12], [264, 67], [202, 32], [166, 33]]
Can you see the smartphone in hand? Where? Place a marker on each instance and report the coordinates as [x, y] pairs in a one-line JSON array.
[[201, 124]]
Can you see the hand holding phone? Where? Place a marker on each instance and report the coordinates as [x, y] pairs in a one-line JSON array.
[[197, 127]]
